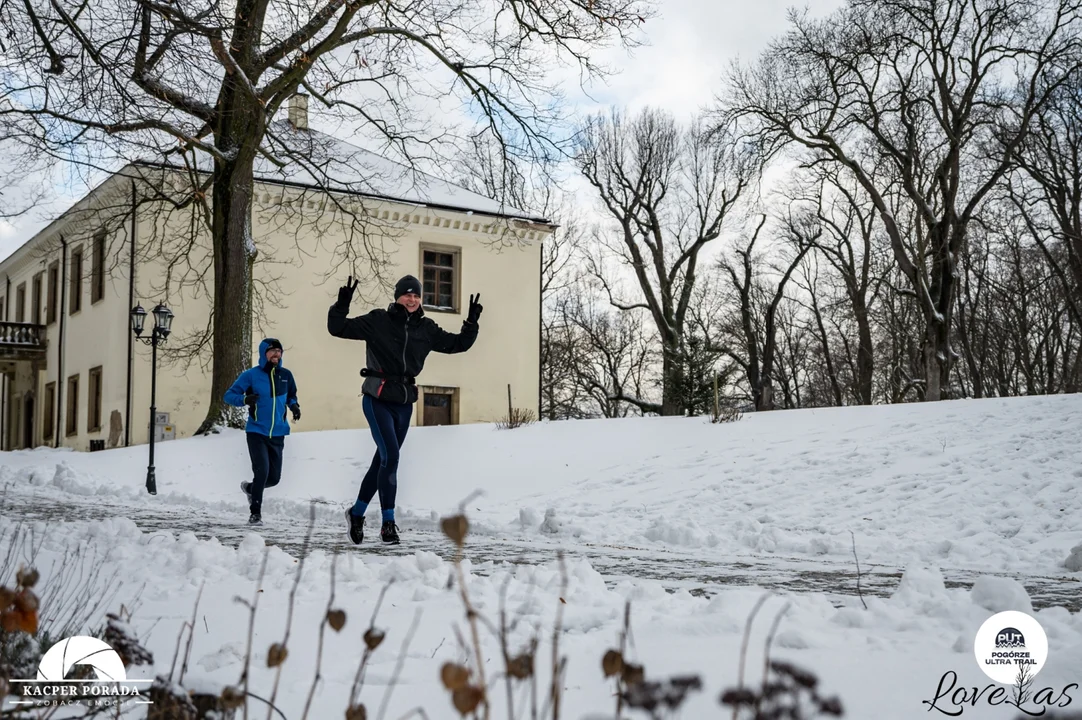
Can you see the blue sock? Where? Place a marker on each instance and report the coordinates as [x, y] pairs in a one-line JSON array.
[[388, 515], [359, 508]]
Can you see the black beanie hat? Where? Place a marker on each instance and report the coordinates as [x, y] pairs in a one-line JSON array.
[[406, 285], [273, 344]]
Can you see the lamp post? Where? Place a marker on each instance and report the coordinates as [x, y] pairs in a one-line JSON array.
[[163, 321]]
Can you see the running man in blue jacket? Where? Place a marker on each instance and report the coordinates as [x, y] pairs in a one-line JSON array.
[[269, 391]]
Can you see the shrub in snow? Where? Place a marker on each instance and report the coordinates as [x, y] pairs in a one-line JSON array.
[[788, 692]]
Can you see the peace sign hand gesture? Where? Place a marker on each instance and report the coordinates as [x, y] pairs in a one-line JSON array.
[[345, 293], [475, 308]]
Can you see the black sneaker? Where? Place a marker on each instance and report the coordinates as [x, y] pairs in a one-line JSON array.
[[247, 488], [389, 532], [356, 527], [255, 519]]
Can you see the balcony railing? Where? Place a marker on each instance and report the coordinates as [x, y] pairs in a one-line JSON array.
[[22, 336]]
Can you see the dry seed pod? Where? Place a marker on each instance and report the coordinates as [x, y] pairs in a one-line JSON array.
[[454, 676], [276, 655], [356, 712], [26, 601], [612, 663], [372, 638], [466, 699], [633, 674], [336, 619], [23, 614], [520, 667], [455, 527], [27, 578], [231, 698], [6, 596]]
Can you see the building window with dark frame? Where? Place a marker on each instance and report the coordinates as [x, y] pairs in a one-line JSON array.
[[20, 303], [93, 401], [97, 279], [76, 299], [440, 269], [48, 419], [71, 424], [54, 293], [35, 300]]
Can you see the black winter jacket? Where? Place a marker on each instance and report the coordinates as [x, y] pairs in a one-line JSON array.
[[397, 344]]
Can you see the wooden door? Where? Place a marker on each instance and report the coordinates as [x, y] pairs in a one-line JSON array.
[[437, 409]]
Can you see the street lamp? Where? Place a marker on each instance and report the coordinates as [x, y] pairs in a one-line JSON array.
[[163, 321]]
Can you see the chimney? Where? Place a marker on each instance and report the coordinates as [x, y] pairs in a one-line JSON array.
[[298, 111]]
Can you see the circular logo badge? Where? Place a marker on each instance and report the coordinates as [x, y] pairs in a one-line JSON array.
[[1011, 647]]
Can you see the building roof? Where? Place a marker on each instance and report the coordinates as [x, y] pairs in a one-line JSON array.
[[331, 163], [322, 161]]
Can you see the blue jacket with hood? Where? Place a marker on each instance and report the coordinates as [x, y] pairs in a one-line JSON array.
[[277, 393]]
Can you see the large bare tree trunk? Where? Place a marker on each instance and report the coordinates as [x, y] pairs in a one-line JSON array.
[[865, 352], [234, 255]]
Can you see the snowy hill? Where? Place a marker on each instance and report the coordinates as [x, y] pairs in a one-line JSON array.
[[986, 485], [979, 489]]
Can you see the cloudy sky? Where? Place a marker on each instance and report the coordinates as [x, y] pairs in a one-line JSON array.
[[689, 46]]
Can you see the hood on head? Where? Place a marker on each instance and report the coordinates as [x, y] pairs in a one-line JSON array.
[[266, 345]]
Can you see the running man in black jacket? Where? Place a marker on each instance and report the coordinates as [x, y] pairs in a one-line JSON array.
[[398, 341]]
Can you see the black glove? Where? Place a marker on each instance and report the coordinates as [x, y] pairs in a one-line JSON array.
[[296, 412], [345, 293], [251, 398], [475, 308]]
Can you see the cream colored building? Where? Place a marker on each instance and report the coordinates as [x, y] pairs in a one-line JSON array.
[[71, 373]]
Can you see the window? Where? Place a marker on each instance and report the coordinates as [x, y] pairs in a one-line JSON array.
[[440, 270], [71, 426], [439, 406], [20, 303], [93, 401], [35, 301], [76, 299], [97, 281], [54, 293], [48, 419]]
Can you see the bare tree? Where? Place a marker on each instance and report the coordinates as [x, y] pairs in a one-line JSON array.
[[749, 335], [851, 248], [669, 192], [610, 359], [1048, 190], [941, 91], [562, 397], [1020, 337], [194, 86]]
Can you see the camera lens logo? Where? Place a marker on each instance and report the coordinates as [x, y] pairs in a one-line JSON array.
[[81, 650], [1010, 644]]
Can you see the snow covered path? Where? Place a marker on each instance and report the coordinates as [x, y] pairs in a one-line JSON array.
[[700, 572], [959, 510]]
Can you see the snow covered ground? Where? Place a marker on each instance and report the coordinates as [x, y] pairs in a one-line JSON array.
[[974, 500]]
